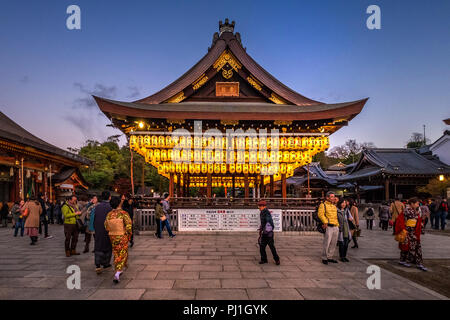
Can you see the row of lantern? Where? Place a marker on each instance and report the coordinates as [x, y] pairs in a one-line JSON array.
[[210, 156], [193, 168], [242, 143]]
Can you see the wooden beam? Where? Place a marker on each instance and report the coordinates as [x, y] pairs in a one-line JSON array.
[[171, 185], [386, 189], [271, 186], [283, 187], [246, 192]]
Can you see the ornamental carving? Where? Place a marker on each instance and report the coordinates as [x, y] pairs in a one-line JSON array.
[[255, 83], [276, 99], [177, 98], [227, 57], [227, 74], [199, 82]]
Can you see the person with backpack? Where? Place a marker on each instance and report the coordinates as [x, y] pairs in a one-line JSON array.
[[327, 213], [443, 213], [369, 215], [266, 237], [383, 214]]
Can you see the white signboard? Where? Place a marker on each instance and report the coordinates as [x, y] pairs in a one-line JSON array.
[[224, 219]]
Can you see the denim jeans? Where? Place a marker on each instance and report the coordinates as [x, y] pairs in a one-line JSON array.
[[443, 219], [343, 246], [19, 224], [166, 224], [437, 218]]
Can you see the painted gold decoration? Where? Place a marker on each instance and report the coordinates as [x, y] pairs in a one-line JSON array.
[[227, 74], [282, 123], [229, 122], [227, 57], [176, 121], [255, 83], [177, 98], [199, 82], [276, 99]]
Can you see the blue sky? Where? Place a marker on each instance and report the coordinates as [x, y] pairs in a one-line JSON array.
[[127, 50]]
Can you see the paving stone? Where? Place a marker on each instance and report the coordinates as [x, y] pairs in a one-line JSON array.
[[244, 283], [167, 267], [202, 267], [326, 294], [197, 284], [262, 275], [291, 283], [112, 294], [146, 275], [220, 275], [173, 275], [274, 294], [169, 294], [221, 294], [150, 284]]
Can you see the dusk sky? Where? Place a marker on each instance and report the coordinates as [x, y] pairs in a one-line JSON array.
[[127, 50]]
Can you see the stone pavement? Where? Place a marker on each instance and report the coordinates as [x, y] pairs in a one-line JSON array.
[[209, 266]]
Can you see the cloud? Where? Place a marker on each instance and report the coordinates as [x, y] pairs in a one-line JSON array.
[[99, 90], [134, 92], [24, 79]]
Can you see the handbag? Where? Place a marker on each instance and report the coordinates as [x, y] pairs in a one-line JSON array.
[[80, 226], [401, 236], [163, 218], [358, 232]]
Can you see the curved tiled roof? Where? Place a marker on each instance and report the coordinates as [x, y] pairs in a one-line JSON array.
[[11, 131]]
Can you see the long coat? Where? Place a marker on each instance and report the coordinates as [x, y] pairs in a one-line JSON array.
[[102, 241], [35, 211]]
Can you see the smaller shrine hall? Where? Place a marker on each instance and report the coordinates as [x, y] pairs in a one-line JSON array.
[[28, 165]]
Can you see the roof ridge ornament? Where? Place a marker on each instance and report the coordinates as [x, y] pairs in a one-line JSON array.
[[226, 27]]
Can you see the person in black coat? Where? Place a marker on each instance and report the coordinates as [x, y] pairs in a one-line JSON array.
[[266, 234], [43, 220], [129, 206], [102, 247]]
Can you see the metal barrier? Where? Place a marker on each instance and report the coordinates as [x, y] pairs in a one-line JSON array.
[[292, 219], [298, 220], [146, 219]]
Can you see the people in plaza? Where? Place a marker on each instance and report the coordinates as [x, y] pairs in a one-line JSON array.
[[32, 210], [102, 248], [159, 213], [433, 209], [354, 225], [345, 235], [19, 220], [51, 212], [71, 213], [327, 213], [266, 234], [4, 211], [57, 211], [384, 215], [443, 212], [395, 210], [165, 221], [129, 206], [411, 249], [86, 215], [369, 215], [44, 216], [119, 227], [424, 213]]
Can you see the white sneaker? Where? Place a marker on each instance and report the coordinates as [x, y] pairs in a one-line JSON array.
[[421, 267], [406, 265]]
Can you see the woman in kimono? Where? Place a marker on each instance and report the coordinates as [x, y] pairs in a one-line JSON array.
[[119, 227], [411, 249]]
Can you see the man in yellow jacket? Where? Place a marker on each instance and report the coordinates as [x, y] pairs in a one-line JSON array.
[[327, 213]]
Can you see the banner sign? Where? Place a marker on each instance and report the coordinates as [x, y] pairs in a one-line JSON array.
[[224, 219]]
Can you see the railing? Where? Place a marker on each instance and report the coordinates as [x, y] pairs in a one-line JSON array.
[[203, 202], [298, 220], [292, 219], [146, 219]]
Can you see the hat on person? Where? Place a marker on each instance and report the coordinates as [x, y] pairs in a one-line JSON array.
[[262, 203]]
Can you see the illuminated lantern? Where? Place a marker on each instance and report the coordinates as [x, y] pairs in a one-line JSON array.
[[185, 167], [197, 168], [217, 168], [283, 168], [161, 141], [204, 168], [232, 168], [238, 168], [154, 141], [223, 168], [210, 168], [163, 155], [283, 143]]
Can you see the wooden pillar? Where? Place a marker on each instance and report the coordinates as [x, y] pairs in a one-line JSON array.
[[171, 185], [246, 193], [143, 178], [209, 186], [386, 189], [261, 186], [283, 187], [232, 187], [178, 185], [188, 181], [271, 186]]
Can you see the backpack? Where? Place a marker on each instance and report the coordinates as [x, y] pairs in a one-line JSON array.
[[370, 212], [316, 218]]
